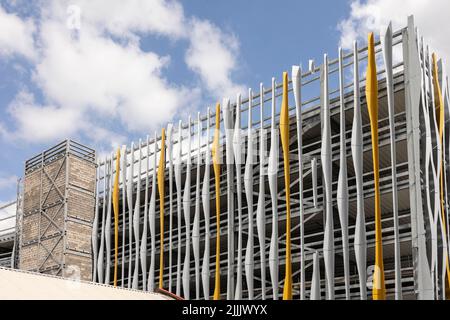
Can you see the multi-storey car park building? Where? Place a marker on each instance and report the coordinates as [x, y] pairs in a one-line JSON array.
[[329, 184]]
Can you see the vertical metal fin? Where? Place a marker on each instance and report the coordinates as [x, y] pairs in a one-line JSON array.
[[379, 289], [357, 154], [116, 217], [297, 87], [342, 190], [386, 42], [439, 104], [130, 185], [143, 246], [216, 164], [95, 227], [261, 209], [315, 282], [248, 183], [124, 209], [314, 181], [187, 219], [152, 220], [136, 220], [178, 167], [238, 152], [414, 97], [108, 223], [272, 171], [284, 128], [228, 126], [170, 157], [196, 226], [206, 207], [326, 156], [431, 155], [101, 250], [161, 170]]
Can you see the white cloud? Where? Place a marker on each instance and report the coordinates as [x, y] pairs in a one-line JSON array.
[[99, 82], [163, 17], [7, 182], [38, 123], [212, 54], [16, 35], [431, 18], [95, 73], [108, 140]]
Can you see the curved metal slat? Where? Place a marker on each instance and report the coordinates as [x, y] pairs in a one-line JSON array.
[[161, 191], [238, 152], [342, 190], [152, 222], [379, 288], [360, 241], [261, 209], [273, 186], [187, 220], [216, 164], [386, 42], [136, 222], [206, 207], [328, 244], [248, 184]]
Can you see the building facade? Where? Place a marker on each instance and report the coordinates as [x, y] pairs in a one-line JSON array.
[[328, 184]]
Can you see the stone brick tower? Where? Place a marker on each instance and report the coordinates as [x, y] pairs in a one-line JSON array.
[[58, 211]]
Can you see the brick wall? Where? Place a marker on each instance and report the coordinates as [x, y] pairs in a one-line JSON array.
[[66, 234]]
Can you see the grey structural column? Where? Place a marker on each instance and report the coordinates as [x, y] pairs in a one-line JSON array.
[[297, 86], [261, 209], [342, 190], [237, 146], [422, 277], [272, 172], [228, 125], [248, 182], [206, 207], [328, 244], [360, 241], [386, 41]]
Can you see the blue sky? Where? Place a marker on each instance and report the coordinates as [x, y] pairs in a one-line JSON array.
[[130, 69]]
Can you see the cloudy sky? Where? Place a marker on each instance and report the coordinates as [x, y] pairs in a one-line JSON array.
[[106, 73]]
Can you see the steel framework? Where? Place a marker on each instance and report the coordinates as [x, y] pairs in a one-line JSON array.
[[340, 235]]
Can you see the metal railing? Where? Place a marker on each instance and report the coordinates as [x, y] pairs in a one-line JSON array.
[[65, 147]]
